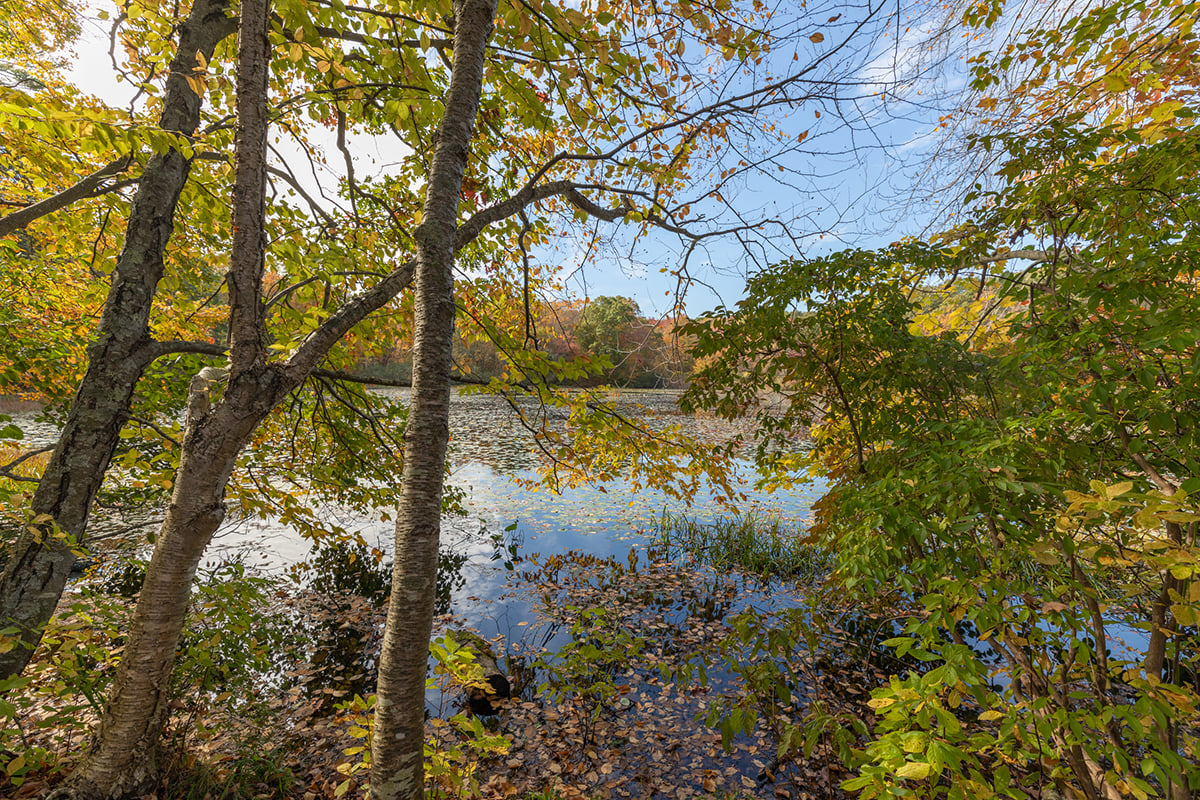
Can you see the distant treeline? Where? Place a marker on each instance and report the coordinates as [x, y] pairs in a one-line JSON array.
[[620, 346]]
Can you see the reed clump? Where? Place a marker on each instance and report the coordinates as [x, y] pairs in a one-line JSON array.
[[759, 544]]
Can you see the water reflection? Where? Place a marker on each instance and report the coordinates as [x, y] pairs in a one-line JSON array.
[[489, 452], [488, 556]]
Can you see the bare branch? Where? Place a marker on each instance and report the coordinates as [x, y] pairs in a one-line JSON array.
[[154, 426], [1036, 256], [318, 343], [366, 380], [528, 194], [290, 180], [6, 471], [155, 350]]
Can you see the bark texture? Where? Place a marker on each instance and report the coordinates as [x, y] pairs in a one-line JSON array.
[[397, 759], [39, 563], [122, 760]]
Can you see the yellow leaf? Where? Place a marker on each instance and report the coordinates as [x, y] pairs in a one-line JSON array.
[[1116, 83], [1184, 614], [1118, 489], [914, 770], [576, 18]]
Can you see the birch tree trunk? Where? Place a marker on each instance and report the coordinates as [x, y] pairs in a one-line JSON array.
[[397, 758], [39, 563], [123, 758]]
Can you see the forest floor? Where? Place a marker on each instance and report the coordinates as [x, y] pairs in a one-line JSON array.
[[608, 700]]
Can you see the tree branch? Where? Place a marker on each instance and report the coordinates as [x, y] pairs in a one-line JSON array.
[[81, 189], [348, 377], [291, 181], [155, 350], [1037, 256], [248, 257], [318, 343], [154, 427], [6, 471]]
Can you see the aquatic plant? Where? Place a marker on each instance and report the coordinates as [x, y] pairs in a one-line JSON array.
[[755, 543]]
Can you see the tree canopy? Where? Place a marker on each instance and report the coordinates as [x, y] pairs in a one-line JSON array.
[[1013, 471], [1005, 411]]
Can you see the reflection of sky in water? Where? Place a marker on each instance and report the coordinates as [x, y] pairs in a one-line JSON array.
[[488, 448], [603, 520]]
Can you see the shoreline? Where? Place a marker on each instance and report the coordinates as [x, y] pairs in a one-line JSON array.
[[15, 404]]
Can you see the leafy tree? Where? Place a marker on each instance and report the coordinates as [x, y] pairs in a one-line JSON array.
[[1013, 464], [41, 559], [501, 156], [1027, 495], [604, 321], [612, 328], [32, 39]]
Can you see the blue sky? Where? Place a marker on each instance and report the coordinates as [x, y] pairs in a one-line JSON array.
[[856, 181]]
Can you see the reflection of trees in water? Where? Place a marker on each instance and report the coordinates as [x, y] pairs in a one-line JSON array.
[[342, 638], [353, 569]]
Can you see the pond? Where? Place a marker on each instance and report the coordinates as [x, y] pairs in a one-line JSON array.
[[539, 574], [489, 452]]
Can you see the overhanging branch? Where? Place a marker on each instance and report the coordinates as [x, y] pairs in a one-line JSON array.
[[85, 187]]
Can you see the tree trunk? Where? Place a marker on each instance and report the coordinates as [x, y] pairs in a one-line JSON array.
[[39, 562], [123, 758], [397, 756]]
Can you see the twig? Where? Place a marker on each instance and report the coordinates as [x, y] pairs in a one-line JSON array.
[[7, 470]]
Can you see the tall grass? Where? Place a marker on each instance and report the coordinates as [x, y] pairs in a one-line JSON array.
[[757, 544]]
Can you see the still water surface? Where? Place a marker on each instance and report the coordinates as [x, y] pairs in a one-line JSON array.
[[489, 451], [523, 605]]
